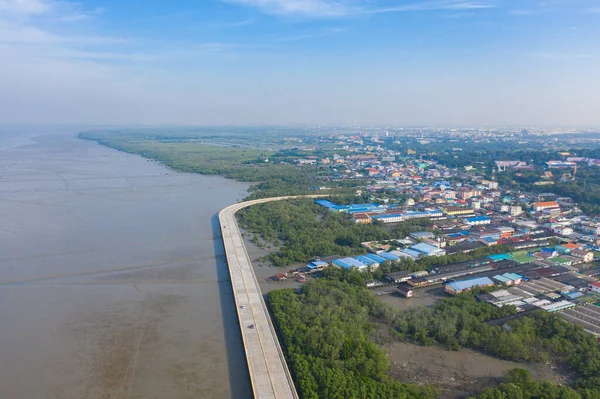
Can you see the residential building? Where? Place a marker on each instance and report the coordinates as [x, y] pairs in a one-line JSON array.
[[465, 193], [456, 211], [594, 287], [585, 256], [405, 290], [362, 218], [515, 210]]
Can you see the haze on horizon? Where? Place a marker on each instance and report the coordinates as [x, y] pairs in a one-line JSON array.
[[412, 62]]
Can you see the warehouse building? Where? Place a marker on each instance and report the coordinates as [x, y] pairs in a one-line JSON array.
[[478, 221], [428, 250], [388, 256], [348, 263], [457, 287], [366, 261]]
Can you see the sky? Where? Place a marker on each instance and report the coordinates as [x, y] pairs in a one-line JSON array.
[[309, 62]]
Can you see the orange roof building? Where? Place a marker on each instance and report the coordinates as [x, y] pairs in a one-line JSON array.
[[540, 206]]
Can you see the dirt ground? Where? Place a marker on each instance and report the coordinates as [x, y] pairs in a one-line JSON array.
[[422, 297], [263, 269], [457, 373]]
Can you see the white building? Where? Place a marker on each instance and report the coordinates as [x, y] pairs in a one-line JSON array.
[[594, 287], [515, 210]]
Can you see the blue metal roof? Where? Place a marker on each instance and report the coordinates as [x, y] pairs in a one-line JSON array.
[[316, 263], [574, 294], [364, 206], [365, 260], [502, 279], [341, 263], [424, 248], [478, 219], [513, 276], [388, 256], [467, 284], [330, 205], [411, 253], [353, 262], [376, 258], [498, 257]]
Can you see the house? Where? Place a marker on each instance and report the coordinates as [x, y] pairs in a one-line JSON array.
[[515, 210], [540, 206], [506, 232], [362, 218], [405, 290], [563, 230], [594, 287], [586, 256]]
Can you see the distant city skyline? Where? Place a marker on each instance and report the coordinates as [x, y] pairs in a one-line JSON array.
[[309, 62]]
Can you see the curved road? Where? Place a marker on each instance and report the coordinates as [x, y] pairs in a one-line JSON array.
[[269, 373]]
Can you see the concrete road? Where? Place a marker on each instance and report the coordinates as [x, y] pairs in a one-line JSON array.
[[269, 373]]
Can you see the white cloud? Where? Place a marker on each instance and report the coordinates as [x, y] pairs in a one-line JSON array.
[[339, 8], [320, 8], [24, 7], [310, 35]]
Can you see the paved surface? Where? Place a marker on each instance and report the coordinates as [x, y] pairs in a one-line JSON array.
[[269, 374]]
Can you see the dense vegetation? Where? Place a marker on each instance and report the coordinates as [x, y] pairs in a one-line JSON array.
[[304, 230], [326, 330], [327, 338], [518, 384]]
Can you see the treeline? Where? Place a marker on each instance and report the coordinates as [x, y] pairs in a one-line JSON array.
[[326, 334]]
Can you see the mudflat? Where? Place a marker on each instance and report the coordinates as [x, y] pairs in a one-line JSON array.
[[113, 282]]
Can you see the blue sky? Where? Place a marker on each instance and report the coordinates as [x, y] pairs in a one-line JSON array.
[[401, 62]]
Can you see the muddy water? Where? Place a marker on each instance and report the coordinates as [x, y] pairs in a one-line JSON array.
[[112, 276]]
